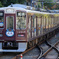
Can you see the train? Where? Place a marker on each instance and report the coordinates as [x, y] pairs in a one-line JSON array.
[[18, 26]]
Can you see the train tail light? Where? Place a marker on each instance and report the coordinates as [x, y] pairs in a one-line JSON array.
[[21, 35]]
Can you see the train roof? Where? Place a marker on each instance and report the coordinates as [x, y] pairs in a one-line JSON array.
[[23, 8], [18, 5]]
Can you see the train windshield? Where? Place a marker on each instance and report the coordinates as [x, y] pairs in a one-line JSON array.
[[9, 22], [21, 20]]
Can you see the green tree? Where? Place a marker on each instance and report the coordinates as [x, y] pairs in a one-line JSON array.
[[57, 6], [1, 4], [8, 2], [49, 5], [21, 1], [48, 1], [28, 0]]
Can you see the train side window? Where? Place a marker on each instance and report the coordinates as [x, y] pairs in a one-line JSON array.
[[39, 25], [1, 19], [1, 22], [21, 20]]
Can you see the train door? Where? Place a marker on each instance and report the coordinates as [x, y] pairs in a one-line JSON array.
[[33, 26], [10, 27]]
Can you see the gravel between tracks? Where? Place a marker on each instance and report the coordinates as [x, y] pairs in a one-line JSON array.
[[54, 39], [44, 47], [52, 55], [7, 55], [57, 46], [33, 54]]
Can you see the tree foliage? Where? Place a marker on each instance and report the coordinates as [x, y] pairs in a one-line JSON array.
[[8, 2], [1, 4], [48, 1], [50, 4]]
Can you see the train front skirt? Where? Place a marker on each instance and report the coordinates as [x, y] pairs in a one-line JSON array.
[[21, 47]]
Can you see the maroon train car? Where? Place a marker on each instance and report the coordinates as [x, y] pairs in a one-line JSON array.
[[18, 26], [13, 29]]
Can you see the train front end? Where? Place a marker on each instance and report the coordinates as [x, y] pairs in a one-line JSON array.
[[13, 33]]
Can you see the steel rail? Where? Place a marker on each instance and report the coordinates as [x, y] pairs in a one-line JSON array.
[[52, 47], [41, 54]]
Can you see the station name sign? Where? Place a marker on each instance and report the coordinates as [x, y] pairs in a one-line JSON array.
[[1, 13]]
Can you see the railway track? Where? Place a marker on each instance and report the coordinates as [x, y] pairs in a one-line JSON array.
[[57, 46], [53, 51], [42, 50]]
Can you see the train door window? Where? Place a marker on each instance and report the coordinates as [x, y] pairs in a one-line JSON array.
[[9, 22], [29, 27], [1, 19], [21, 20], [38, 25], [41, 24], [55, 21], [44, 24], [49, 22], [33, 26], [52, 22], [58, 20], [47, 25]]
